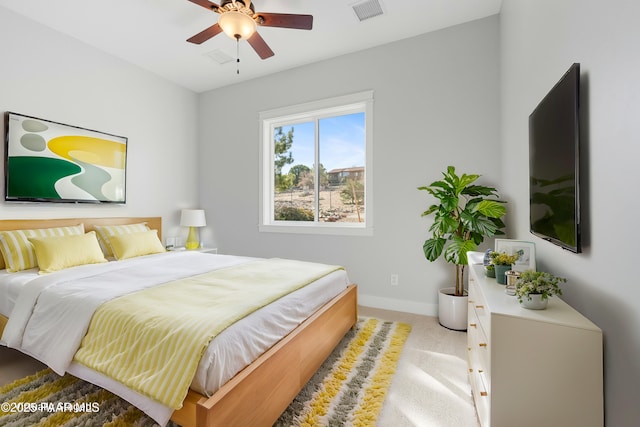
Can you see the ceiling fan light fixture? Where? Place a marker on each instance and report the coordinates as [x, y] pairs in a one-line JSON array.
[[237, 25]]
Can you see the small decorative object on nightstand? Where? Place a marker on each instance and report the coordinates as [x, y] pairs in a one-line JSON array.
[[192, 218]]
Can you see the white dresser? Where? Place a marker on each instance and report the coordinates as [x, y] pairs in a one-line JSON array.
[[538, 368]]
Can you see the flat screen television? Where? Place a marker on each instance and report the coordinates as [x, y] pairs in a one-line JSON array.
[[47, 161], [554, 164]]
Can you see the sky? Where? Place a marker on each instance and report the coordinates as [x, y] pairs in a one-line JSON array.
[[342, 142]]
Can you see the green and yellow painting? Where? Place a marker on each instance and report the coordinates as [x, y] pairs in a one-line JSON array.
[[48, 161]]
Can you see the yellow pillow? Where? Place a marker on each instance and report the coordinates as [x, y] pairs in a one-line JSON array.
[[136, 244], [106, 231], [18, 253], [58, 253]]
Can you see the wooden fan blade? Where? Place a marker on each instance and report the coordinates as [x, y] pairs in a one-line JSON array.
[[206, 4], [260, 46], [205, 35], [285, 20]]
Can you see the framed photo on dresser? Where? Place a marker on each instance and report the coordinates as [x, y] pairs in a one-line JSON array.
[[525, 250]]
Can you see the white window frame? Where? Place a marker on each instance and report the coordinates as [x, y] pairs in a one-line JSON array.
[[341, 105]]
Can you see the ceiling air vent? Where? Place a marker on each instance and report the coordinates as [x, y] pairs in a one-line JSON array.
[[367, 9], [219, 56]]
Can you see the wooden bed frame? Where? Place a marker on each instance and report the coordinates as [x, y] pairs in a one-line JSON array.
[[258, 394]]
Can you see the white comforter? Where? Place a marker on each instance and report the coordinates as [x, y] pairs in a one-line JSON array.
[[52, 314]]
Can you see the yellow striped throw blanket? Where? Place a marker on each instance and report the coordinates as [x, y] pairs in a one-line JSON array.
[[152, 340]]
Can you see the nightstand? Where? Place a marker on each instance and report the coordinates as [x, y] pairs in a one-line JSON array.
[[207, 250], [203, 250]]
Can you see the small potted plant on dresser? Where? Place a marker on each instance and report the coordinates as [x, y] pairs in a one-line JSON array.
[[534, 288], [490, 270], [502, 263], [465, 214]]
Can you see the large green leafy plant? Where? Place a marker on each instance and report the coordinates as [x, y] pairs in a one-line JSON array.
[[464, 216]]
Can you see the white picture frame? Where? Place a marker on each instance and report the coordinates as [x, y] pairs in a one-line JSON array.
[[527, 250]]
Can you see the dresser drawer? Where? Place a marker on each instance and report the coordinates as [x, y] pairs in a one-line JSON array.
[[474, 323], [477, 342], [478, 321], [478, 305], [480, 391], [482, 399], [480, 347]]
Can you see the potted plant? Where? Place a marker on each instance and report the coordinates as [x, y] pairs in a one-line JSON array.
[[534, 288], [502, 262], [464, 215], [490, 270]]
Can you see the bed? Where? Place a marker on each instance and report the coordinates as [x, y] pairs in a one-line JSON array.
[[261, 391]]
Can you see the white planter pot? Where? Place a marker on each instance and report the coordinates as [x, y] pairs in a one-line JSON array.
[[452, 310], [535, 303]]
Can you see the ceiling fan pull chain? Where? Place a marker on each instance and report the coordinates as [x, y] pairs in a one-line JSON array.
[[237, 55]]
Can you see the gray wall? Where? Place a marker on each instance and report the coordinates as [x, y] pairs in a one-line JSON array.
[[539, 40], [436, 103], [48, 75]]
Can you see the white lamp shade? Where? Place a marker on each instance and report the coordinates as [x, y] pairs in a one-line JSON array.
[[237, 25], [193, 218]]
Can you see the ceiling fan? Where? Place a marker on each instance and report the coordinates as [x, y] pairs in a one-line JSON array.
[[239, 20]]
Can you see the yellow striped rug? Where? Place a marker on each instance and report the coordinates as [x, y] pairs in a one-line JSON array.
[[348, 390], [350, 387], [46, 399]]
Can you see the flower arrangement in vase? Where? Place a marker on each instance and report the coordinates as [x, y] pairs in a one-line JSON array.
[[534, 288], [502, 262]]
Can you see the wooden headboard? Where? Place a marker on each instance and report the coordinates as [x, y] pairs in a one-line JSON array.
[[154, 223]]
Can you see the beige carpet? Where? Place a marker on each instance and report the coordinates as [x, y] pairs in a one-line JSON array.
[[429, 389]]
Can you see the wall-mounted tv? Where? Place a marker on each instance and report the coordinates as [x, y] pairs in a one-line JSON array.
[[47, 161], [554, 164]]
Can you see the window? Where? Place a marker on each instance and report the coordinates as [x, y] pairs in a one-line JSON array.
[[316, 167]]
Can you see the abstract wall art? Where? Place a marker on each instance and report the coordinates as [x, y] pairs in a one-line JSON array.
[[47, 161]]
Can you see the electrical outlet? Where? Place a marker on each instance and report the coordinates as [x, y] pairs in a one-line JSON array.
[[395, 281]]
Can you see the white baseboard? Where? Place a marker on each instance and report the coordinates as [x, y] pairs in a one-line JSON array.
[[398, 305]]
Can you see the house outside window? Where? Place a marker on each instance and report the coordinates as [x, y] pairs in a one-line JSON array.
[[316, 172]]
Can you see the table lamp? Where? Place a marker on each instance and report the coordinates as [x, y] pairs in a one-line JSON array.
[[192, 218]]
